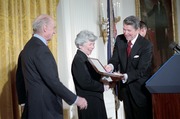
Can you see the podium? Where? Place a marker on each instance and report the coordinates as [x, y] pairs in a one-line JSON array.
[[164, 87]]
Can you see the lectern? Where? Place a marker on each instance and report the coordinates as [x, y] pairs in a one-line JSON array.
[[164, 86]]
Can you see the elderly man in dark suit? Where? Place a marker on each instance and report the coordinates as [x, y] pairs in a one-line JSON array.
[[132, 57], [37, 79]]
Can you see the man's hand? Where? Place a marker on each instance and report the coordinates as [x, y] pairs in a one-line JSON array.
[[108, 68], [81, 102]]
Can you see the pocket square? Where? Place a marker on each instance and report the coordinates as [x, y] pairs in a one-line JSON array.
[[136, 56]]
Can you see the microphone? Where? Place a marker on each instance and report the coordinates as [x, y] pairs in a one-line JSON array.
[[175, 47]]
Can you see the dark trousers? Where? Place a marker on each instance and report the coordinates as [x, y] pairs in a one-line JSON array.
[[133, 111]]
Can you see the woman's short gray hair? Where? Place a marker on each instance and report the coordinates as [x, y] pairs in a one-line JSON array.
[[83, 37]]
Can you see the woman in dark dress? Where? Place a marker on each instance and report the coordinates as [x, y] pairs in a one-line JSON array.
[[87, 81]]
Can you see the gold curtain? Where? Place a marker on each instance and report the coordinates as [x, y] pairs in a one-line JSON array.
[[16, 17]]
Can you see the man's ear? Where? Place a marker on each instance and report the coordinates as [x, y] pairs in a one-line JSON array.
[[44, 28], [80, 46]]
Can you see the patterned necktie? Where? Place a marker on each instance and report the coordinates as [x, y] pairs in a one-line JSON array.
[[129, 48]]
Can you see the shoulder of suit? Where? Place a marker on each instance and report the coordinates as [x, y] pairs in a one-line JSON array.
[[121, 38], [143, 40]]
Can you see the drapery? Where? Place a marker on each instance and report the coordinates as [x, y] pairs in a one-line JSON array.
[[16, 17]]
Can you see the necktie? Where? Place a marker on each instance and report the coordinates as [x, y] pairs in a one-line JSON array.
[[129, 48]]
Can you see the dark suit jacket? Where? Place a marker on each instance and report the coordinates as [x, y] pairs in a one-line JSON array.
[[88, 85], [38, 84], [137, 66]]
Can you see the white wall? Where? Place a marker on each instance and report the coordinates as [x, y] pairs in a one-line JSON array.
[[127, 8], [74, 16]]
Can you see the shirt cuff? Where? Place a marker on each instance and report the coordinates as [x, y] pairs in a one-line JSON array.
[[124, 80], [75, 100], [22, 105]]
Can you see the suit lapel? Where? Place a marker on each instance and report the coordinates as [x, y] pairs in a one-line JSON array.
[[123, 53]]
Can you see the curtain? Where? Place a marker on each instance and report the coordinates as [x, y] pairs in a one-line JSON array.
[[16, 17]]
